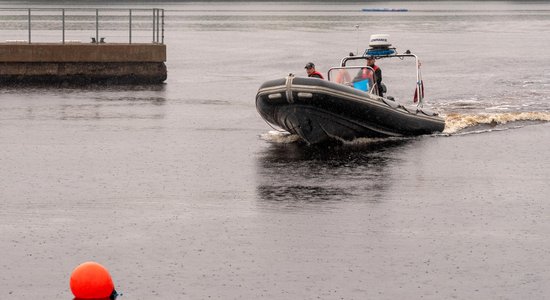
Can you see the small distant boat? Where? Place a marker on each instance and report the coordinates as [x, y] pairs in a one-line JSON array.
[[385, 9], [344, 108]]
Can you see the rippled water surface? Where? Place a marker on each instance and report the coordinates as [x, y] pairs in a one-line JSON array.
[[183, 192]]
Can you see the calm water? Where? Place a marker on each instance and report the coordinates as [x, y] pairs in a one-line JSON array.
[[183, 192]]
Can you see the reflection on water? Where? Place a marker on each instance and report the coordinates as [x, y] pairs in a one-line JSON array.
[[88, 102], [294, 176], [65, 87], [301, 193]]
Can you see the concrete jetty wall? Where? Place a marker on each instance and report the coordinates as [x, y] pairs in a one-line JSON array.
[[82, 63]]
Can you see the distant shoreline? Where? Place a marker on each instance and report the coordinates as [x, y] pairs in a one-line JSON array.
[[184, 1]]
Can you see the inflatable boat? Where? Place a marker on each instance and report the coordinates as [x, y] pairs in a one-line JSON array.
[[346, 107]]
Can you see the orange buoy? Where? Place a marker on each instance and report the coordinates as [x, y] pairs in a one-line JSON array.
[[91, 280]]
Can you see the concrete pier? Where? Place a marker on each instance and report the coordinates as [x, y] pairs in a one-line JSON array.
[[22, 63]]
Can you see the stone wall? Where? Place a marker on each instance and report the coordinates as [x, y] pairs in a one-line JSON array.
[[82, 63]]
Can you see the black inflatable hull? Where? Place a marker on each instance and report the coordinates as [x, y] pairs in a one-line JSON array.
[[320, 111]]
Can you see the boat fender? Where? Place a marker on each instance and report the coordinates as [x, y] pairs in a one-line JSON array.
[[289, 97]]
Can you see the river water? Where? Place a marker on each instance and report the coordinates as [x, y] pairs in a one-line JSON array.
[[183, 192]]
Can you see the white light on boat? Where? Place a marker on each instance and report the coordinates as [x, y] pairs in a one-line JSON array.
[[305, 95]]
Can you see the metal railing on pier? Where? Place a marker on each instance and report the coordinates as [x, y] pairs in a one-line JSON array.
[[73, 25]]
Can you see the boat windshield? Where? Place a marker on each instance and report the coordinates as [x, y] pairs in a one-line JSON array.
[[401, 76], [361, 78]]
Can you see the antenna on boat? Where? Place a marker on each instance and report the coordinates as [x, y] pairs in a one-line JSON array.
[[357, 39]]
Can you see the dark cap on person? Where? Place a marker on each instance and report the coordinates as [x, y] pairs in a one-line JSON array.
[[309, 65]]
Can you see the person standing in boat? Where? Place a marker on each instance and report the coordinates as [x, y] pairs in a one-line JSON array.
[[377, 75], [311, 72]]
